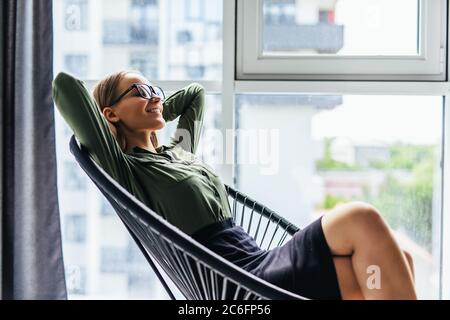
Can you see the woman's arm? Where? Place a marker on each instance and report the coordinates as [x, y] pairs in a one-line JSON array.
[[188, 103], [80, 111]]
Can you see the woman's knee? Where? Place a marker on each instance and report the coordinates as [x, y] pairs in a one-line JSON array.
[[364, 211], [352, 224], [366, 217]]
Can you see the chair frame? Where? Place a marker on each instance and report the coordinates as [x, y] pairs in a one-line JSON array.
[[177, 253]]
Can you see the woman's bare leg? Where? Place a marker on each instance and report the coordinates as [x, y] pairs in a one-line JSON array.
[[379, 265], [348, 284]]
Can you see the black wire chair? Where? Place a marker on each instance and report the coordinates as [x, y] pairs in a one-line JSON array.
[[197, 272]]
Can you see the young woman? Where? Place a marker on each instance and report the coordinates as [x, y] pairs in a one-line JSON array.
[[349, 253]]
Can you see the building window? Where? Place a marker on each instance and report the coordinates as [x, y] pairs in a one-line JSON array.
[[76, 15], [74, 179], [75, 228], [107, 209], [76, 279], [326, 16], [145, 63], [184, 37], [77, 64], [195, 10], [195, 72], [144, 22], [113, 260]]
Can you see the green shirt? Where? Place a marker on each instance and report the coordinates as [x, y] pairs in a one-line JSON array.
[[172, 181]]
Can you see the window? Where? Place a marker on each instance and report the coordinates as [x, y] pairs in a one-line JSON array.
[[317, 151], [195, 71], [159, 28], [106, 208], [75, 280], [73, 179], [341, 40], [144, 22], [184, 37], [113, 260], [158, 39], [75, 228], [294, 136], [194, 10], [77, 64], [143, 62]]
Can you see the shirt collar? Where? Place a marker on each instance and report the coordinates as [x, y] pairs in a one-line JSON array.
[[160, 150]]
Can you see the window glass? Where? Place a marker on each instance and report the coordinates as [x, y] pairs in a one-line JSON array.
[[303, 155], [343, 27], [165, 40]]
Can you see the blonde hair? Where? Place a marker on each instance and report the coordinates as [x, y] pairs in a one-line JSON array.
[[105, 91]]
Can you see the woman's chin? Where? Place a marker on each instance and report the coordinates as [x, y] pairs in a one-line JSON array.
[[161, 124]]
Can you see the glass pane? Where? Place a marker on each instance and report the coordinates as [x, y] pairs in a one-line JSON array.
[[342, 27], [165, 40], [302, 155], [101, 259]]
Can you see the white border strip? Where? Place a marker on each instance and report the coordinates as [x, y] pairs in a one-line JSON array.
[[229, 27], [445, 219]]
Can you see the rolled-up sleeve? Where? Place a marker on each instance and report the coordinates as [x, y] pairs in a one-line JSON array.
[[80, 111], [187, 103]]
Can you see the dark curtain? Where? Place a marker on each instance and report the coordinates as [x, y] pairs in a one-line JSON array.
[[32, 264]]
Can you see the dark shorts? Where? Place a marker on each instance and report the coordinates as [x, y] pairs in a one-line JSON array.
[[303, 265]]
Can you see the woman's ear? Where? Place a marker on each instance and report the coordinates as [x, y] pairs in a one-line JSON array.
[[110, 115]]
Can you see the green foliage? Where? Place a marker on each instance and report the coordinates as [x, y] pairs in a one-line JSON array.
[[328, 163], [405, 156], [409, 205], [331, 201], [404, 203]]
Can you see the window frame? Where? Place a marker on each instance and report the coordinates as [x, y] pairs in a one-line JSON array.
[[429, 65], [233, 83]]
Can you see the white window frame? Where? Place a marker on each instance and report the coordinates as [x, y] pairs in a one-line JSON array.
[[428, 65]]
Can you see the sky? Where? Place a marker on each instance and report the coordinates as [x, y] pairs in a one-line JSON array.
[[383, 119]]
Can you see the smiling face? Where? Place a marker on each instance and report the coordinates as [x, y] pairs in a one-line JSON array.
[[134, 112]]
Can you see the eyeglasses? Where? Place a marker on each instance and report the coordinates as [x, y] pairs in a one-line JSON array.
[[145, 91]]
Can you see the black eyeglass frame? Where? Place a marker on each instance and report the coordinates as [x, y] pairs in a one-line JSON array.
[[137, 86]]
